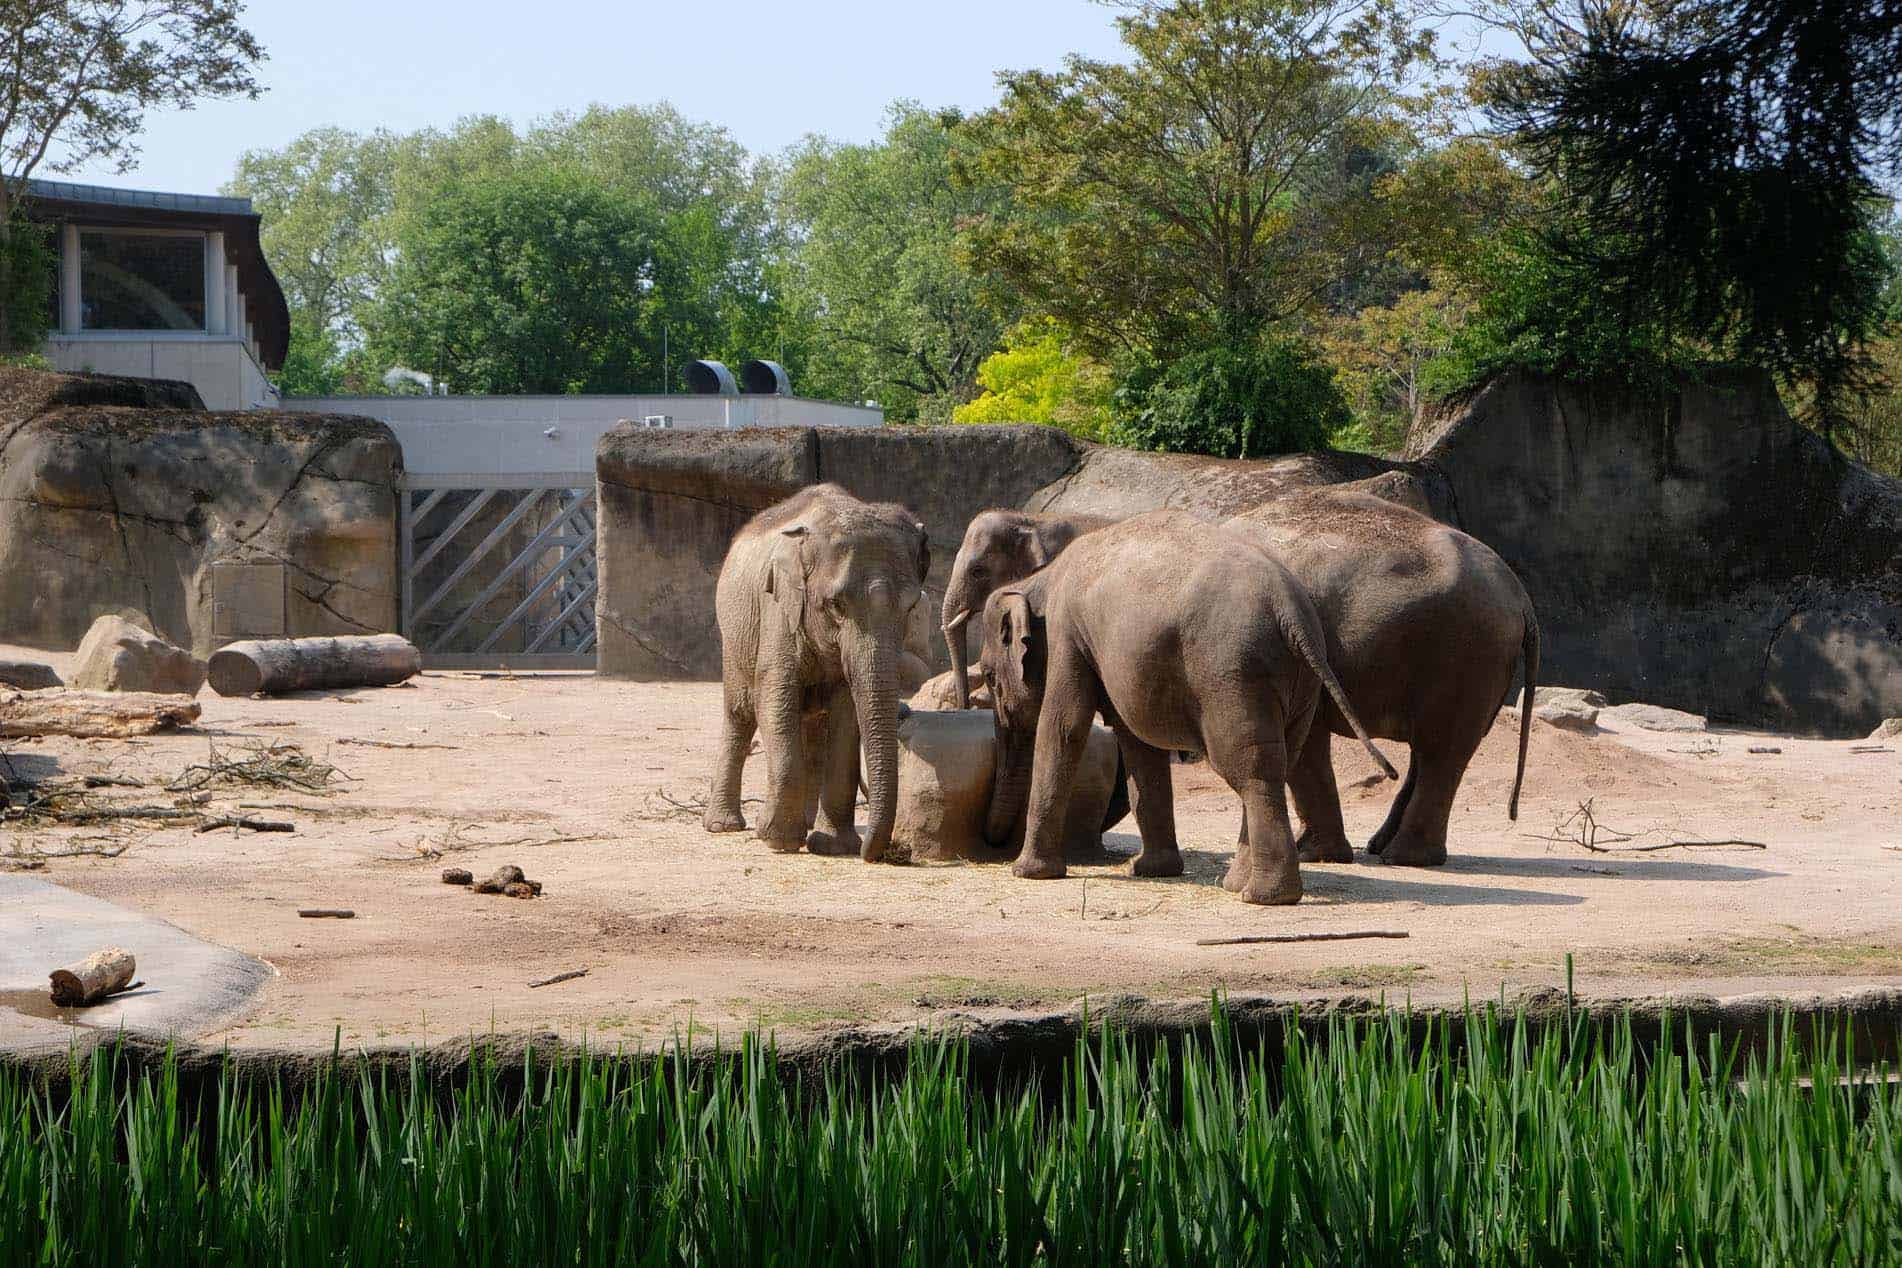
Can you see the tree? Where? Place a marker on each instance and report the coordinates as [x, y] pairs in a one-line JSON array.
[[1719, 158], [1039, 377], [1215, 184], [874, 273], [79, 75], [1251, 401], [524, 281]]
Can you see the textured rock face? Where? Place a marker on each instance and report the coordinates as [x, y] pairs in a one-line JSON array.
[[1698, 551], [117, 495], [945, 764], [120, 655], [28, 675]]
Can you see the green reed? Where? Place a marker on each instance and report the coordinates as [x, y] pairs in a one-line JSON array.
[[1488, 1142]]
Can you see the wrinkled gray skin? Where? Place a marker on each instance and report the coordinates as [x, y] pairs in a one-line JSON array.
[[1183, 635], [998, 548], [813, 603], [1425, 628]]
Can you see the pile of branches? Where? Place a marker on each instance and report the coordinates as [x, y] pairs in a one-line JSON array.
[[262, 765]]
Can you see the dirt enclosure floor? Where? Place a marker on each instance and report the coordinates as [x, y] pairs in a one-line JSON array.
[[588, 785]]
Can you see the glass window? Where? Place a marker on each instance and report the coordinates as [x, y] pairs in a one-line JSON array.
[[141, 281]]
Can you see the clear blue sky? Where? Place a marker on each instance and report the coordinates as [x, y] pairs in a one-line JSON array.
[[768, 72]]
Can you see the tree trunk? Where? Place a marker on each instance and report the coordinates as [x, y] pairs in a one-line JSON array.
[[92, 714], [93, 978], [277, 665]]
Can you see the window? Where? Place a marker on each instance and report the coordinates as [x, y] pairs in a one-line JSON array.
[[141, 281]]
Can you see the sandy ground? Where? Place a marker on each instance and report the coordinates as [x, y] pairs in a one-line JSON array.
[[575, 780]]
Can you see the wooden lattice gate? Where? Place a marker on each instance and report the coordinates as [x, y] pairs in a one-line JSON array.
[[499, 571]]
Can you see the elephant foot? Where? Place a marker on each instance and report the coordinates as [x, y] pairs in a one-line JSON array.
[[723, 821], [1033, 868], [784, 845], [1403, 851], [1271, 892], [821, 841], [1156, 863], [1315, 848], [1235, 876]]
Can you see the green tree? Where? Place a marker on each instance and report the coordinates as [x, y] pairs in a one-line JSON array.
[[1039, 377], [77, 76], [1215, 184], [1272, 397], [874, 277], [528, 281]]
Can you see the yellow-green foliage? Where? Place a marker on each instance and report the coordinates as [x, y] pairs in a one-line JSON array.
[[1037, 377]]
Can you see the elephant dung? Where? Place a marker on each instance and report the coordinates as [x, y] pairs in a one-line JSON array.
[[945, 764], [119, 655]]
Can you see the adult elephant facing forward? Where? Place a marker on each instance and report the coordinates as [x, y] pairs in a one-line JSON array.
[[813, 603]]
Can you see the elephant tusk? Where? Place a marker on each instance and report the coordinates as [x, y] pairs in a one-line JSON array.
[[955, 622]]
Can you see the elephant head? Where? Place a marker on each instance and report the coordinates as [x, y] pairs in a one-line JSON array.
[[999, 548], [848, 581], [1014, 654]]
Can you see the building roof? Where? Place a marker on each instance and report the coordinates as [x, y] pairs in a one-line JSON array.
[[265, 309]]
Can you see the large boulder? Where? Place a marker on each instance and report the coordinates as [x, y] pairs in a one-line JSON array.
[[118, 654], [121, 495], [945, 765], [941, 692], [1652, 717], [28, 675]]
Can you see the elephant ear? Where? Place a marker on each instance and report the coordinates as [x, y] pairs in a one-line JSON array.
[[1036, 553], [786, 571], [1018, 635]]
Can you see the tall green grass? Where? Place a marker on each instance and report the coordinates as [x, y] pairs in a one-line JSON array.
[[1360, 1145]]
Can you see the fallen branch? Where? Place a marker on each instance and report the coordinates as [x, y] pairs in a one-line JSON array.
[[349, 739], [249, 824], [569, 976], [271, 766], [93, 978], [1868, 748], [1688, 845], [1302, 937], [112, 781], [92, 714], [326, 913]]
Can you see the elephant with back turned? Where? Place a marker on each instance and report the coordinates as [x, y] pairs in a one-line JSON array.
[[1184, 635], [813, 604], [1425, 625]]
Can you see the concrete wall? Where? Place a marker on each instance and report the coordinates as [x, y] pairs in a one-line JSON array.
[[1698, 550], [223, 370], [210, 525], [486, 435]]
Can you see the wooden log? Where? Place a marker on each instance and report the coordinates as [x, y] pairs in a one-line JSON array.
[[276, 665], [92, 714], [93, 978]]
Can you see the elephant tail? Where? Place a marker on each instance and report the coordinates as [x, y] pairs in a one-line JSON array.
[[1298, 635], [1529, 656]]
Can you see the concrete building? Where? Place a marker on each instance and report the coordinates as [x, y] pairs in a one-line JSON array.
[[163, 286]]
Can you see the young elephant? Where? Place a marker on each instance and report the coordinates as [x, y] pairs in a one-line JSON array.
[[813, 603], [998, 548], [1184, 635]]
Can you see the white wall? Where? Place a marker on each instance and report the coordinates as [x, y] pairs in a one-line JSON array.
[[490, 435], [222, 369]]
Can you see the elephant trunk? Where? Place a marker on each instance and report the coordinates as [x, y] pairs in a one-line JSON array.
[[956, 641], [871, 667], [1010, 785]]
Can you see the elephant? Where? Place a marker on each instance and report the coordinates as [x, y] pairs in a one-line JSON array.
[[1183, 634], [813, 602], [1425, 628], [1000, 547]]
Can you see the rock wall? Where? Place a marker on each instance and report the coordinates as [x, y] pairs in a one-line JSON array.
[[1696, 549], [123, 494]]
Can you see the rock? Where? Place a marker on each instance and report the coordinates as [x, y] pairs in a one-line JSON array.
[[1889, 730], [945, 761], [117, 655], [1578, 695], [941, 693], [28, 675], [1569, 714], [216, 526], [1651, 717]]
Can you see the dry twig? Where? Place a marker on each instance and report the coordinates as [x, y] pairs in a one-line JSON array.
[[264, 765], [247, 823], [350, 739], [1302, 937], [569, 976]]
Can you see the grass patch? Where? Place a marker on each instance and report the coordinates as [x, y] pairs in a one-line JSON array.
[[1488, 1143]]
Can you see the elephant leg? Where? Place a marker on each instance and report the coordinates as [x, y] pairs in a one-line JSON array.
[[1063, 730], [780, 727], [1265, 869], [1318, 801], [1153, 801], [737, 726], [1421, 838], [839, 778], [813, 730], [1396, 812]]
